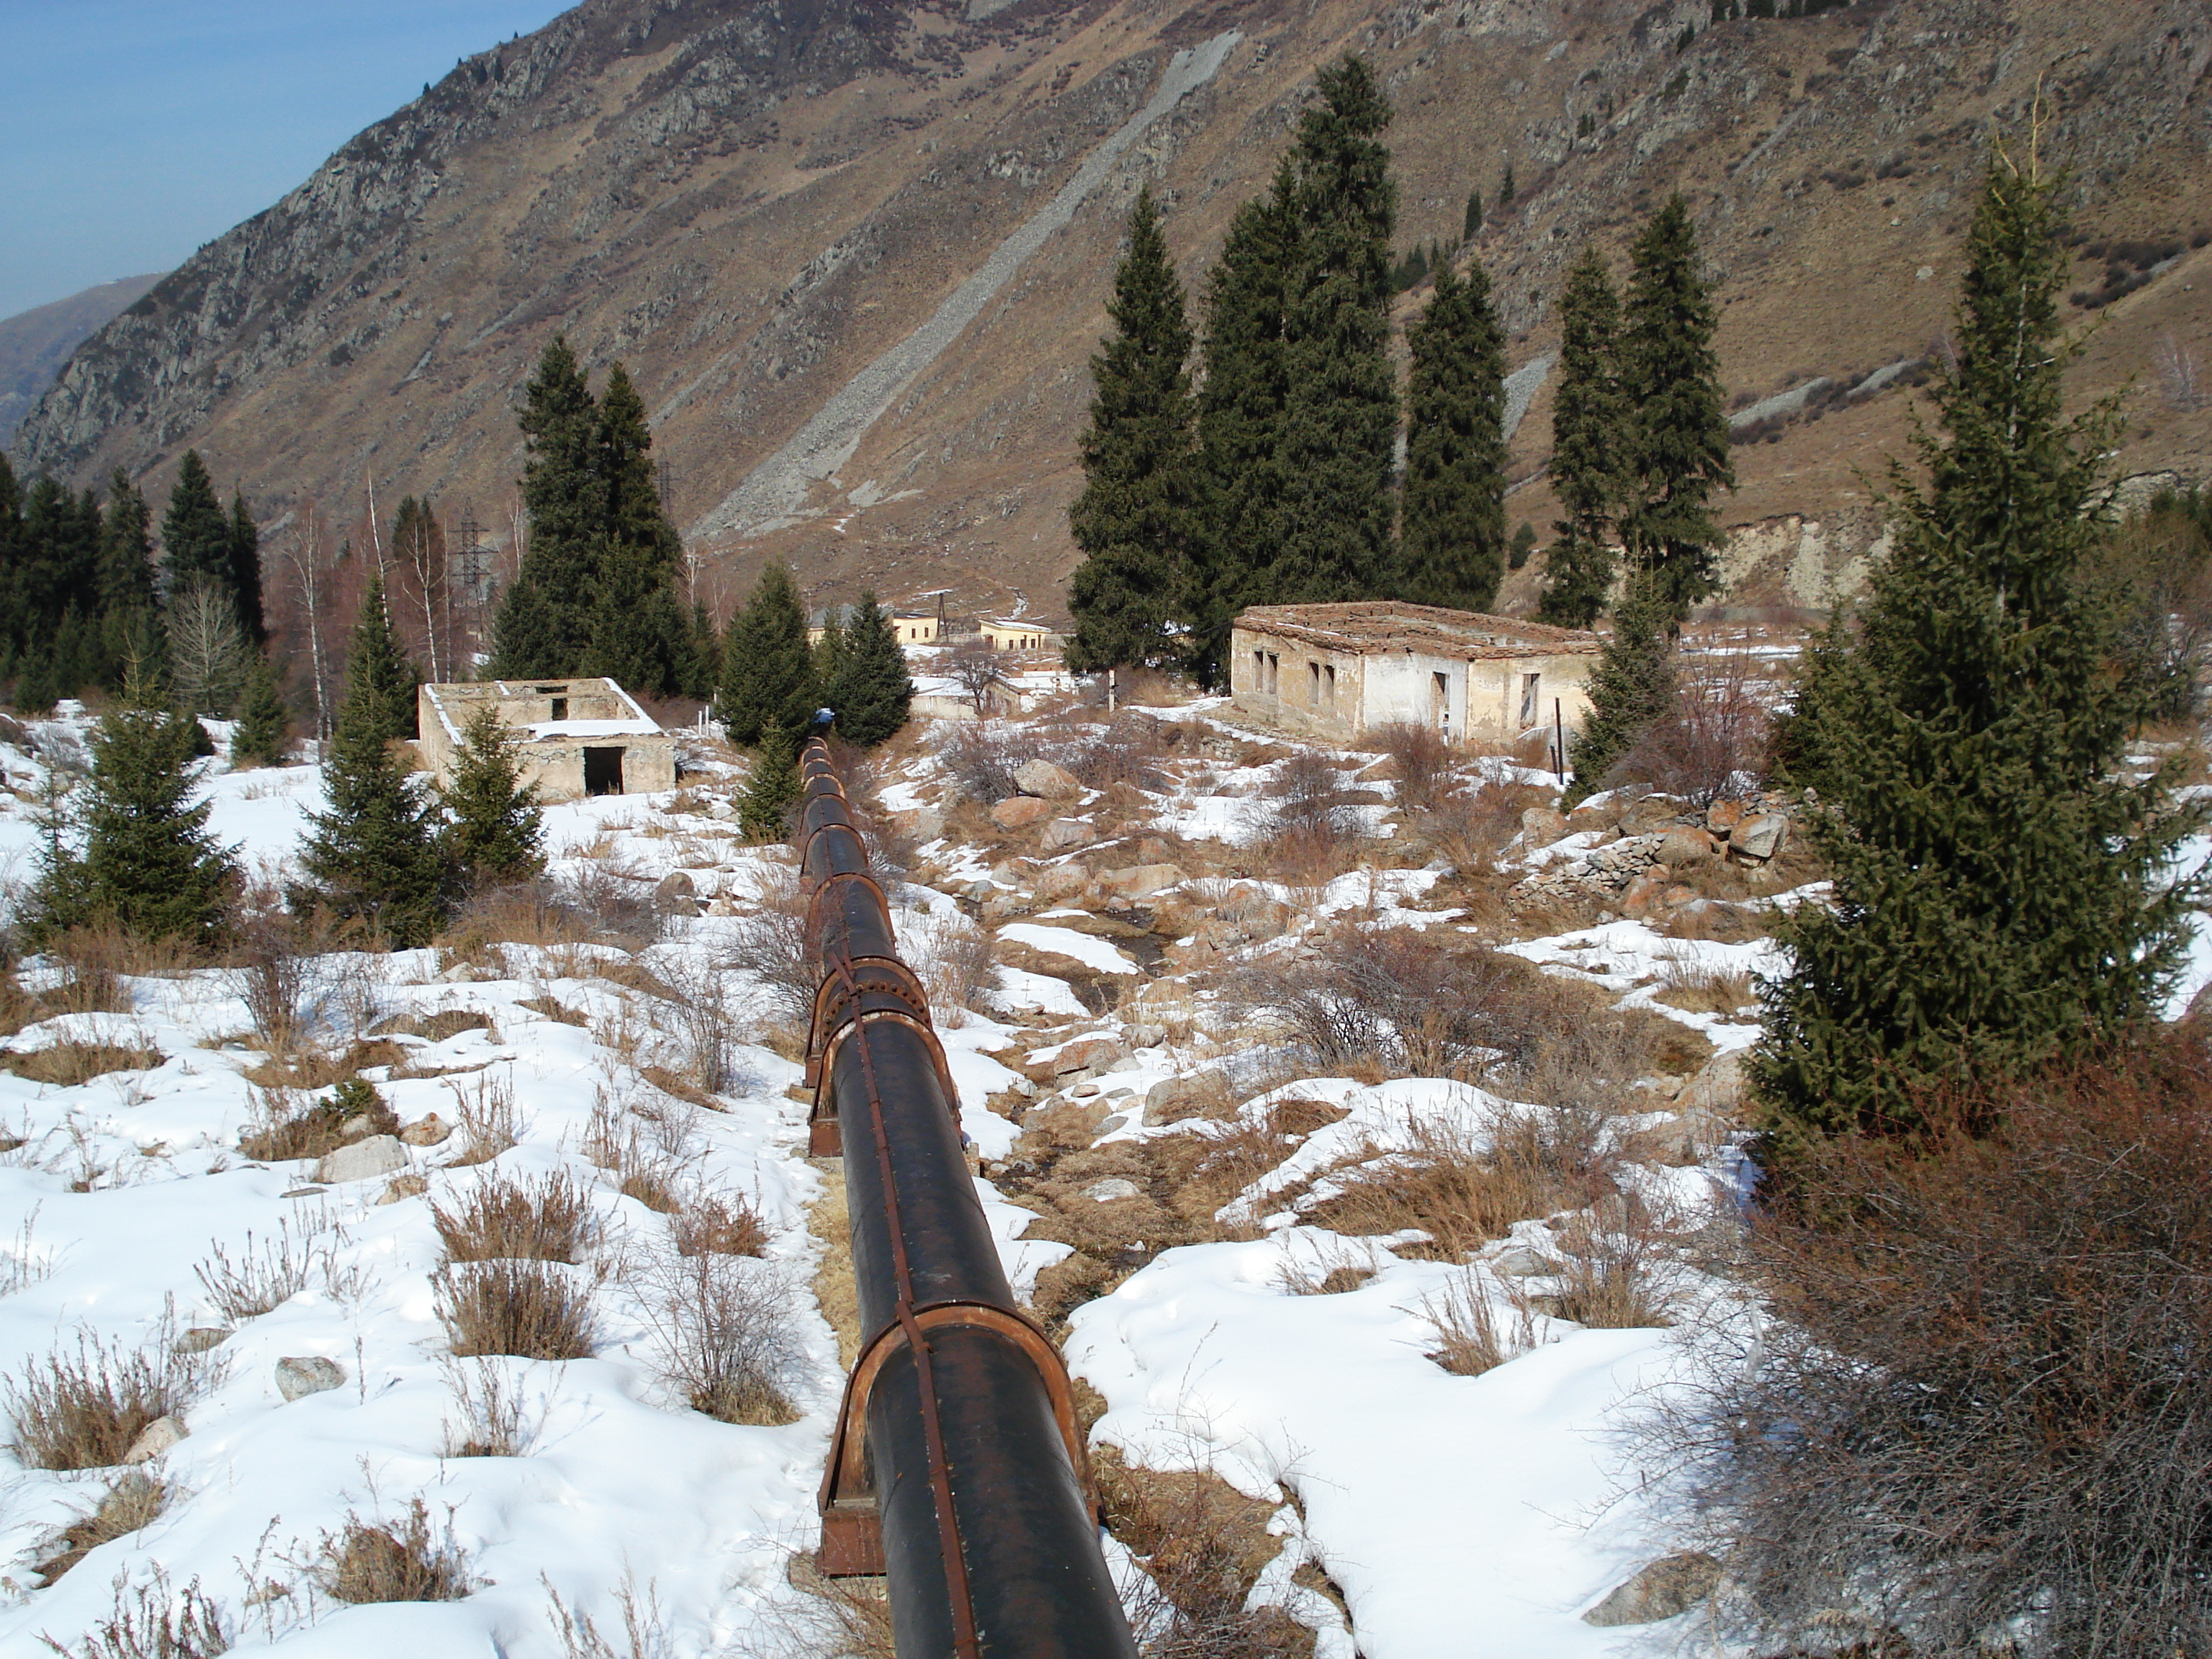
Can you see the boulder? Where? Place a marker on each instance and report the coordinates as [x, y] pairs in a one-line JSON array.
[[675, 895], [1115, 1186], [1648, 815], [1038, 776], [1646, 891], [1093, 1053], [1541, 826], [1060, 884], [1065, 832], [1174, 1098], [1019, 812], [1519, 1261], [199, 1339], [1670, 1586], [366, 1159], [1718, 1089], [1723, 816], [157, 1437], [406, 1186], [1684, 845], [1760, 837], [923, 824], [1141, 880], [297, 1377], [431, 1131]]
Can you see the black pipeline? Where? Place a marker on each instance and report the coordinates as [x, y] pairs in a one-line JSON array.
[[958, 1468]]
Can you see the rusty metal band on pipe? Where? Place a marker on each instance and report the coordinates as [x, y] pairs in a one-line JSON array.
[[973, 1459]]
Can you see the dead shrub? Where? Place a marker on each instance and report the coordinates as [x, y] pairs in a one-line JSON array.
[[311, 1069], [66, 1065], [645, 1631], [354, 1110], [1225, 1161], [1130, 750], [1307, 820], [617, 1142], [367, 1561], [83, 1410], [727, 1336], [264, 1278], [952, 956], [273, 975], [531, 1309], [1615, 1277], [703, 1024], [1978, 1406], [609, 900], [98, 956], [1696, 988], [1469, 1340], [548, 1219], [488, 1122], [1715, 740], [981, 757], [769, 942], [1203, 1544], [490, 1422], [136, 1500], [1421, 760], [150, 1622], [713, 1223]]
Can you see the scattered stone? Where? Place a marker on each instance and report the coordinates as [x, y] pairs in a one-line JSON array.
[[1019, 812], [1116, 1187], [924, 823], [1141, 880], [459, 974], [364, 1160], [431, 1131], [406, 1186], [297, 1377], [302, 1192], [1519, 1261], [675, 895], [1684, 845], [1670, 1586], [721, 810], [199, 1339], [1060, 884], [1113, 1123], [1090, 1053], [354, 1128], [1723, 816], [157, 1437], [1063, 833], [1761, 838], [1039, 776], [1643, 894], [1542, 826], [1084, 1091]]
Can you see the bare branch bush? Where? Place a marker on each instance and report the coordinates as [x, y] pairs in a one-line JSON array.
[[150, 1622], [532, 1309], [1470, 1339], [208, 650], [981, 756], [84, 1410], [546, 1219], [952, 956], [727, 1335], [2160, 560], [261, 1281], [1422, 759], [133, 1502], [703, 1024], [489, 1122], [1714, 741], [367, 1561], [973, 667], [2178, 375], [769, 942], [1974, 1400], [490, 1421]]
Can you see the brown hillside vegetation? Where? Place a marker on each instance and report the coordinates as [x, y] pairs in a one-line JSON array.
[[751, 203]]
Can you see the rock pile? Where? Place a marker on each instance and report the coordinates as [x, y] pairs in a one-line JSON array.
[[1636, 865]]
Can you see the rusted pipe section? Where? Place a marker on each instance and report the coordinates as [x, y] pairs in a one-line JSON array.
[[959, 1468]]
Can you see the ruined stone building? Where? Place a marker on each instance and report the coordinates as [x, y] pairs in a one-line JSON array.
[[1335, 671], [579, 736]]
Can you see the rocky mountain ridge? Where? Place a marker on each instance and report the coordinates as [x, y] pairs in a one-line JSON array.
[[856, 255]]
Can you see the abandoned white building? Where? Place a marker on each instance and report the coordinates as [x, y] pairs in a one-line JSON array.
[[579, 736], [1335, 671]]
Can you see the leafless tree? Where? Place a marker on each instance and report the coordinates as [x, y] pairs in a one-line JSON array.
[[207, 649], [305, 554], [2178, 373], [974, 667], [424, 584]]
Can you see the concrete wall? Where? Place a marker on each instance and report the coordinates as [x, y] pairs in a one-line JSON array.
[[1340, 694], [555, 764]]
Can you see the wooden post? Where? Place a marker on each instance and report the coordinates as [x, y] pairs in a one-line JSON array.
[[1113, 689], [1558, 744]]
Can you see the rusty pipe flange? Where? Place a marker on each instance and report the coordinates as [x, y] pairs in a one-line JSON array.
[[834, 888], [862, 982], [833, 850], [819, 1067]]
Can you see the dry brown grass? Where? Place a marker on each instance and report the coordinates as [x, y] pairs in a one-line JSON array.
[[354, 1110], [532, 1309], [727, 1335], [83, 1410], [717, 1223], [1615, 1277], [1469, 1340], [313, 1069], [489, 1123], [266, 1277], [1699, 989], [490, 1421], [151, 1622], [66, 1065], [834, 1285], [135, 1501], [367, 1561], [547, 1219]]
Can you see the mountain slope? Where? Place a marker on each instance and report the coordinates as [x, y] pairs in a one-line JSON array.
[[856, 255], [34, 344]]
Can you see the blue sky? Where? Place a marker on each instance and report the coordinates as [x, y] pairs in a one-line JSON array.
[[131, 132]]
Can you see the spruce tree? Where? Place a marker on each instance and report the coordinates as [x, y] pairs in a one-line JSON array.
[[1240, 414], [2003, 891], [245, 552], [130, 636], [11, 558], [1137, 520], [495, 831], [1340, 419], [526, 635], [702, 665], [773, 787], [1472, 224], [375, 856], [147, 865], [640, 634], [380, 676], [566, 499], [768, 672], [1678, 448], [1589, 428], [1631, 687], [258, 738], [1453, 541], [870, 690], [196, 536]]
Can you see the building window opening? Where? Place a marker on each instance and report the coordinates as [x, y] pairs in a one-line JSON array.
[[1313, 685], [1329, 685], [603, 771], [1531, 699], [1440, 700], [560, 709], [1274, 674]]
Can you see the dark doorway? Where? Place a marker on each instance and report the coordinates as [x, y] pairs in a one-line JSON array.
[[603, 771]]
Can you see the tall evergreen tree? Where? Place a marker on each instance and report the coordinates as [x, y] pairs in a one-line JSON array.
[[1137, 519], [131, 638], [1678, 453], [495, 831], [147, 865], [1240, 413], [1631, 687], [702, 667], [773, 787], [375, 856], [869, 688], [11, 560], [379, 677], [768, 671], [1453, 535], [641, 634], [245, 552], [565, 497], [258, 738], [1340, 420], [196, 535], [2002, 889], [1589, 425]]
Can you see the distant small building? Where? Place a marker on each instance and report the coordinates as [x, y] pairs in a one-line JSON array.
[[579, 736], [1029, 635], [1335, 671], [914, 629]]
